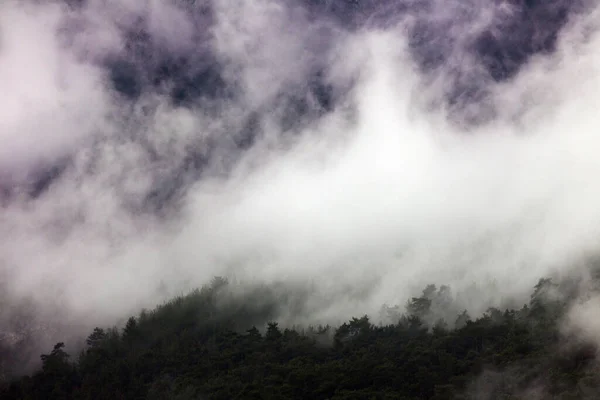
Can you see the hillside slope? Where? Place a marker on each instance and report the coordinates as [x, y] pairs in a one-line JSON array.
[[204, 346]]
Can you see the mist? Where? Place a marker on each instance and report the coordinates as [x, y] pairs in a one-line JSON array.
[[147, 147]]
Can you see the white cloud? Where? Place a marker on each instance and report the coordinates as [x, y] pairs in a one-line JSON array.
[[389, 196]]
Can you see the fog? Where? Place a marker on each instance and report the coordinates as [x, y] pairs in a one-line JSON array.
[[422, 165]]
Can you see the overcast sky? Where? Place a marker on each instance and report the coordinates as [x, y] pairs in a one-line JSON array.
[[390, 189]]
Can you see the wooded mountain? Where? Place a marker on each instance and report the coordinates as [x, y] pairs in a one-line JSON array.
[[196, 347]]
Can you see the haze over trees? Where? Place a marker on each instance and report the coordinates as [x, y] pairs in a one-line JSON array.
[[329, 159], [202, 346]]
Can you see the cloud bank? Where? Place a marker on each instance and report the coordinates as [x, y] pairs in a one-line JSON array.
[[364, 152]]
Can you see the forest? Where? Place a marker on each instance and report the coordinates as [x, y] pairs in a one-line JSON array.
[[203, 346]]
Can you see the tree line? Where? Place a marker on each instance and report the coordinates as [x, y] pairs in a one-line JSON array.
[[191, 348]]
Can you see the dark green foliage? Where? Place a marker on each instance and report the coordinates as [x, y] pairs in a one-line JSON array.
[[190, 348]]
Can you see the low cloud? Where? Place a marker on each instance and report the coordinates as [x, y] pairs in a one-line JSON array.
[[390, 187]]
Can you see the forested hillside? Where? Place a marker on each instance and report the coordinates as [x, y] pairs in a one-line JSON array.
[[197, 347]]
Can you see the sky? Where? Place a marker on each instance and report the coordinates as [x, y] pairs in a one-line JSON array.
[[148, 146]]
